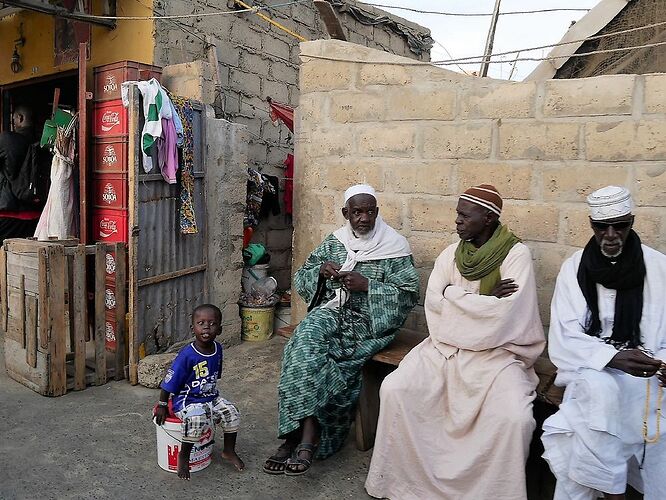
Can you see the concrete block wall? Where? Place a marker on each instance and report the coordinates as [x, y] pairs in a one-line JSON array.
[[256, 61], [422, 135]]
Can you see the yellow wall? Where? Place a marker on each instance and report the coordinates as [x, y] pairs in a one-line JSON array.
[[132, 40]]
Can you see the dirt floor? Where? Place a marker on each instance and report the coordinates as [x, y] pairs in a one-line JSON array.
[[100, 442]]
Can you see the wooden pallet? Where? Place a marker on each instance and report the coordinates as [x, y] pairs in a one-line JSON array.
[[52, 343]]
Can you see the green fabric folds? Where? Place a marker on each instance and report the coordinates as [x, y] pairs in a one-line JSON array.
[[321, 364], [484, 263]]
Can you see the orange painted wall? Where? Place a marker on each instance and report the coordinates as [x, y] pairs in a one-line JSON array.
[[132, 40]]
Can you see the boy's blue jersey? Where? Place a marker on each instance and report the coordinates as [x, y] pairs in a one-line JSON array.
[[193, 376]]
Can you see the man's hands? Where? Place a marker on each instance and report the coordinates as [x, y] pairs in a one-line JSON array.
[[161, 413], [637, 363], [353, 281], [504, 288], [329, 270]]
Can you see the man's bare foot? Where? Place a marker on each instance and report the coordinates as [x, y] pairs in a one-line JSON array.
[[184, 467], [232, 457]]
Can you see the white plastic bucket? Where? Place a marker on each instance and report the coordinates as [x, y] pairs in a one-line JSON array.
[[168, 446], [252, 274]]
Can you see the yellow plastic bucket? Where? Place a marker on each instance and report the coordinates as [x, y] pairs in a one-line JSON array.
[[257, 323]]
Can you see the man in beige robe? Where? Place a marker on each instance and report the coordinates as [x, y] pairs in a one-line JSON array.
[[456, 416]]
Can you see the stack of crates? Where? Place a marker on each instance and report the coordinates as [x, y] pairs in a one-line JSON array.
[[110, 188]]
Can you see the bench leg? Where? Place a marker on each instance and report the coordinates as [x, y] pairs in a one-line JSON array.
[[367, 410]]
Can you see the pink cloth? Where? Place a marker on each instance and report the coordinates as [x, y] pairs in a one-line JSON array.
[[167, 151]]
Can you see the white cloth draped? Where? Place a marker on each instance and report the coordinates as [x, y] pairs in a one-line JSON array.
[[383, 242], [456, 416], [594, 442]]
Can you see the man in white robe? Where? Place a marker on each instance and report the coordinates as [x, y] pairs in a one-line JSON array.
[[456, 416], [607, 338]]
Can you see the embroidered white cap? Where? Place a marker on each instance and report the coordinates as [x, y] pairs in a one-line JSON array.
[[610, 202], [360, 189]]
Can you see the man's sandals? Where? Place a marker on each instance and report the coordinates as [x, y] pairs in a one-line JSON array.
[[279, 459], [297, 466]]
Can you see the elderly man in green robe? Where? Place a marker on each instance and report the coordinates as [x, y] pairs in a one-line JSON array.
[[360, 284]]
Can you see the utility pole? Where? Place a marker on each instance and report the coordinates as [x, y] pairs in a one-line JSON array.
[[483, 71]]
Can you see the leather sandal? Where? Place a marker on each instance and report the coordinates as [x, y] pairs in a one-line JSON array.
[[278, 460], [296, 461]]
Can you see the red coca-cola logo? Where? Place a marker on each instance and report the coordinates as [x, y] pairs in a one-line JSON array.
[[107, 227], [109, 120]]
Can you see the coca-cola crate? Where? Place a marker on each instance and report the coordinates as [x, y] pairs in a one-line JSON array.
[[108, 78], [110, 119], [110, 329], [110, 155], [110, 226], [110, 191]]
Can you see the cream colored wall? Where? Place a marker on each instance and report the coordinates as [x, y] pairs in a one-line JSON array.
[[421, 135], [132, 40]]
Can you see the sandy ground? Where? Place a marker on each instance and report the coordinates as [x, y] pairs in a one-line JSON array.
[[100, 442]]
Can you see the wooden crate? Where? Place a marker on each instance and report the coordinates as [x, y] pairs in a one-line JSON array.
[[52, 342]]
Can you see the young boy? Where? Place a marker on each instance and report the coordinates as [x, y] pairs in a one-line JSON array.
[[196, 400]]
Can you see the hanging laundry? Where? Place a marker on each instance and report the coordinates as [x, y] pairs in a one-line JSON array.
[[255, 195], [188, 221], [155, 107], [282, 112], [270, 202], [167, 151]]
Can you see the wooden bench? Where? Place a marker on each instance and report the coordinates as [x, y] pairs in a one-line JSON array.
[[386, 360]]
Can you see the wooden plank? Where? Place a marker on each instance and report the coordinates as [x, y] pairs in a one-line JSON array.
[[172, 275], [58, 338], [43, 303], [69, 300], [330, 19], [133, 166], [405, 341], [31, 332], [100, 323], [82, 141], [121, 308], [21, 246], [79, 298], [367, 409], [30, 282], [3, 287], [21, 310]]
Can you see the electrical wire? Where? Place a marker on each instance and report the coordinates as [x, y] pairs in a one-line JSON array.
[[474, 14]]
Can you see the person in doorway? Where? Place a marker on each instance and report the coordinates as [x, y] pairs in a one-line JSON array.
[[196, 401], [608, 340], [455, 418], [17, 220], [360, 283]]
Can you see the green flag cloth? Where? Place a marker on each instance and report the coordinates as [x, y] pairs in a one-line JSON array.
[[483, 263]]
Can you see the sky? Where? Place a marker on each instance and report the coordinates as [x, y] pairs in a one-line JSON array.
[[466, 36]]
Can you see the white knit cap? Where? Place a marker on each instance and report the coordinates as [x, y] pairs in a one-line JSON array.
[[610, 202], [360, 189]]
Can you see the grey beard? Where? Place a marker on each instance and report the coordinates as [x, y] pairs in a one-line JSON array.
[[611, 256]]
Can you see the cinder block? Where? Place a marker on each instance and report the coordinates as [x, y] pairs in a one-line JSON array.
[[428, 177], [339, 175], [276, 47], [383, 74], [275, 90], [456, 140], [356, 107], [390, 208], [284, 72], [548, 259], [574, 181], [153, 368], [655, 93], [538, 141], [512, 181], [648, 223], [327, 142], [406, 103], [247, 83], [603, 95], [532, 221], [255, 64], [577, 230], [498, 100], [325, 75], [386, 139], [227, 54], [432, 214], [426, 248], [651, 185], [628, 140], [244, 35]]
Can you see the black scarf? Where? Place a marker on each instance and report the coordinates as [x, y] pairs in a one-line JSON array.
[[627, 276]]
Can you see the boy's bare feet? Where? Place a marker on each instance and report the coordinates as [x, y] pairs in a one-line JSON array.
[[232, 457], [184, 466]]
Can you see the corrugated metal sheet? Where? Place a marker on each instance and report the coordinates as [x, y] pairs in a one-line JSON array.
[[165, 255]]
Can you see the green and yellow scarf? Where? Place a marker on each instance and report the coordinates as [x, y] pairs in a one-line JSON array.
[[484, 263]]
